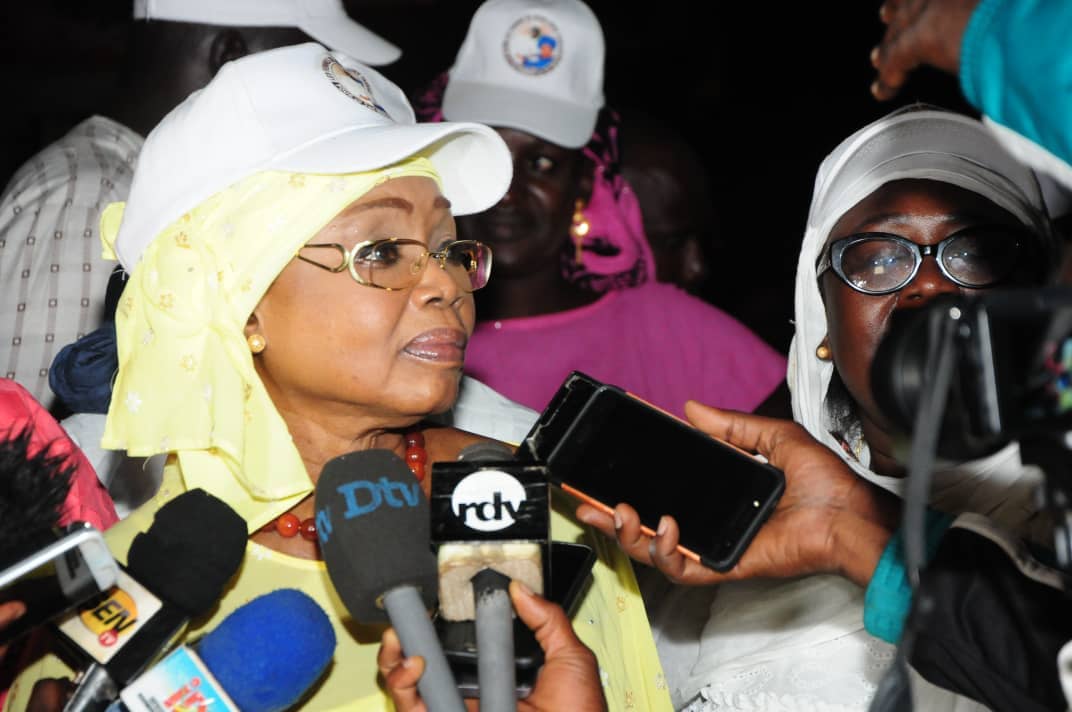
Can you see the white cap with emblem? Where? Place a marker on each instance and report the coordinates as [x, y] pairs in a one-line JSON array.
[[301, 109]]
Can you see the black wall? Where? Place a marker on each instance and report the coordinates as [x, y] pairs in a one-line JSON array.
[[762, 90]]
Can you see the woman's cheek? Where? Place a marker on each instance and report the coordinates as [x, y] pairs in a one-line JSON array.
[[468, 314], [855, 323]]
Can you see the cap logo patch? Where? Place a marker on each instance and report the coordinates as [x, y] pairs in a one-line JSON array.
[[533, 45], [352, 83]]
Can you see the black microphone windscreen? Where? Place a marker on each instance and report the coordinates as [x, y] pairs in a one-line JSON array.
[[190, 552], [372, 519]]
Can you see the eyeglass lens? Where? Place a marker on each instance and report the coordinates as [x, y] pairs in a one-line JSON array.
[[887, 263], [398, 265]]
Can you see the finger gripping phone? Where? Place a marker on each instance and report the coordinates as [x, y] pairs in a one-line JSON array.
[[53, 574], [605, 446]]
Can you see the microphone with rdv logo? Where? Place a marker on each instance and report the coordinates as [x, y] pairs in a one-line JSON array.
[[490, 523]]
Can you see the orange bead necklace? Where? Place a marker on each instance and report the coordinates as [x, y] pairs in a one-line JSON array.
[[288, 525]]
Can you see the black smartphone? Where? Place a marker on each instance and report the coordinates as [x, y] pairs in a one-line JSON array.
[[53, 574], [604, 446]]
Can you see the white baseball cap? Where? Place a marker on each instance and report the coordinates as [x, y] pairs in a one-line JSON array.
[[303, 109], [325, 21], [534, 65]]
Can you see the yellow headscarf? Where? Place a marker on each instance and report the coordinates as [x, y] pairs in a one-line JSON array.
[[186, 380]]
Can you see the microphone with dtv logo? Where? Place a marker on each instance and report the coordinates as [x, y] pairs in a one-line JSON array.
[[372, 523]]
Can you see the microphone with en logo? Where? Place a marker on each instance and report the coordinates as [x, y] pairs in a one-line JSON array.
[[490, 523], [178, 569]]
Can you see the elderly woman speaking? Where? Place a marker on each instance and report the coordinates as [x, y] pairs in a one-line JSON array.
[[297, 293]]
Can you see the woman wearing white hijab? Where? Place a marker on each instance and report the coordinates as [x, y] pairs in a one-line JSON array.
[[917, 144], [922, 177]]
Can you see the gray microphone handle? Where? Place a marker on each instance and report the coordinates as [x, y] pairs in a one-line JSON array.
[[495, 642], [96, 690], [418, 637]]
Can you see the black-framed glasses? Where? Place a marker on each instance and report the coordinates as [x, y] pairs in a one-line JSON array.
[[881, 263], [395, 263]]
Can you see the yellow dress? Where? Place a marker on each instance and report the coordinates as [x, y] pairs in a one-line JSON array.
[[610, 619]]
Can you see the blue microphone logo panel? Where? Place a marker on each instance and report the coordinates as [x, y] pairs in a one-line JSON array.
[[363, 497]]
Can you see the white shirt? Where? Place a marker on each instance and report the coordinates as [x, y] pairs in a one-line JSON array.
[[52, 277]]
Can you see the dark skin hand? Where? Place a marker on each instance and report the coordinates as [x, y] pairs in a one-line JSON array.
[[568, 680], [50, 694], [829, 520], [10, 611], [918, 32]]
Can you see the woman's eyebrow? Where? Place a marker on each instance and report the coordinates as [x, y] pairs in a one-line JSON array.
[[397, 203], [904, 218], [394, 202]]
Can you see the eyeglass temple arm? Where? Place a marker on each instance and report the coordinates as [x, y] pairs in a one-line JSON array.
[[335, 246]]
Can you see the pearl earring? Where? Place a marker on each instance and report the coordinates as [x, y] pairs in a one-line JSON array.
[[822, 351], [256, 343]]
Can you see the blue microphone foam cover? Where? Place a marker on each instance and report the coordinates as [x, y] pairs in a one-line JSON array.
[[267, 653]]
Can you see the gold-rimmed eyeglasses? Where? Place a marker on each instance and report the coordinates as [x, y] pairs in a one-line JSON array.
[[396, 263]]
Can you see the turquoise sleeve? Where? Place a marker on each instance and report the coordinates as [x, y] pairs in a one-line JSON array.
[[889, 595], [1016, 68]]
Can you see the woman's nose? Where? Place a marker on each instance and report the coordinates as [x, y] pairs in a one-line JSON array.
[[519, 185], [436, 285], [929, 282]]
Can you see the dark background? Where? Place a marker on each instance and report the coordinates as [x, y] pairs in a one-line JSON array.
[[762, 91]]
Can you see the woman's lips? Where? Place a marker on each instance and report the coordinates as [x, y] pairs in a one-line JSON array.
[[440, 345]]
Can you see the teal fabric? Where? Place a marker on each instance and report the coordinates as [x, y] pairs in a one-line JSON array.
[[889, 595], [1016, 68]]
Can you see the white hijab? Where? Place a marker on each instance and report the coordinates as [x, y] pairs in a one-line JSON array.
[[920, 143], [801, 644]]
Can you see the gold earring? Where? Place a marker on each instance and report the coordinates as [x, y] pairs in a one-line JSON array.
[[822, 351], [256, 343], [578, 230]]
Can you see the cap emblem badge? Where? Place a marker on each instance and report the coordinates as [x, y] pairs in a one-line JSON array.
[[352, 83], [533, 45]]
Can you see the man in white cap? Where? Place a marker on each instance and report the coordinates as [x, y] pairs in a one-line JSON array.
[[53, 284]]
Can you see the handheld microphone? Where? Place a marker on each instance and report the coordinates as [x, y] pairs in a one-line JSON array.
[[373, 526], [490, 523], [176, 570], [488, 511], [237, 665]]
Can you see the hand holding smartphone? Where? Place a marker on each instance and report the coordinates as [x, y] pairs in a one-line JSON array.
[[53, 575], [605, 446]]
